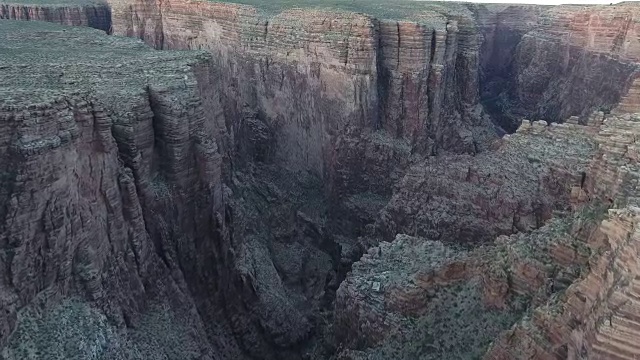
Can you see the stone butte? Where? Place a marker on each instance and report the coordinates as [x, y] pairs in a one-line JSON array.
[[298, 180]]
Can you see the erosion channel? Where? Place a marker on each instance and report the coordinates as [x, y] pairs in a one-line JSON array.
[[366, 179]]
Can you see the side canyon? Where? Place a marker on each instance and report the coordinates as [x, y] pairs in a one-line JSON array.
[[186, 179]]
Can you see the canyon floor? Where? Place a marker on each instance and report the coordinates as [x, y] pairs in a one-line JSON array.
[[345, 180]]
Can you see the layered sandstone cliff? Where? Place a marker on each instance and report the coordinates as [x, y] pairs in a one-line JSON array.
[[133, 212], [208, 204], [515, 187], [416, 298], [564, 290], [93, 14], [575, 60], [394, 69], [318, 75], [596, 316], [109, 162]]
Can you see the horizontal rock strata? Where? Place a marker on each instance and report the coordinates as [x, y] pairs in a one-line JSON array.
[[96, 15], [221, 195], [562, 290], [108, 162], [516, 187]]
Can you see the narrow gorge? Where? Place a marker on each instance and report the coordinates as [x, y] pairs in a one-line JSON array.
[[185, 179]]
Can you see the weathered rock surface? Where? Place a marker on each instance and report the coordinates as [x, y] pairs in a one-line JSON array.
[[568, 284], [467, 199], [394, 69], [208, 204], [108, 165], [596, 316], [314, 74], [114, 160], [397, 300], [93, 14], [575, 60]]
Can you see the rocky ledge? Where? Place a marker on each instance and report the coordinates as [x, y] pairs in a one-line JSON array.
[[97, 132], [563, 290], [95, 14], [212, 200]]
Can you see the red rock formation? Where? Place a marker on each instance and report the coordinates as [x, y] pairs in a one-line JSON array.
[[374, 301], [395, 290], [461, 198], [596, 316], [578, 60], [376, 70], [101, 180], [315, 74], [93, 15], [352, 98]]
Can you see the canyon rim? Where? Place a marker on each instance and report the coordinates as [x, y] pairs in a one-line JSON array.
[[185, 179]]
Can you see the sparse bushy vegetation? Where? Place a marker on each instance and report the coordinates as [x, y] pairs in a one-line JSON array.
[[421, 11], [461, 328], [74, 329], [160, 187], [71, 330]]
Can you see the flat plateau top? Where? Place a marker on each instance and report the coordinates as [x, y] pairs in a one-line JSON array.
[[40, 62], [381, 9], [412, 10], [377, 8]]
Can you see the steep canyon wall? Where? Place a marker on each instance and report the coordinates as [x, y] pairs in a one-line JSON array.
[[113, 195], [95, 15], [321, 80], [190, 164], [318, 78], [563, 61]]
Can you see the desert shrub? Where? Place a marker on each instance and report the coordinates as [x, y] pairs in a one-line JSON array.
[[70, 330], [74, 329]]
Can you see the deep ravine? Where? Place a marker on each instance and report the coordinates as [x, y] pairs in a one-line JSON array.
[[310, 183]]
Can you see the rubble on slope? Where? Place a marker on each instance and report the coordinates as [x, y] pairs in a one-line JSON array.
[[547, 292], [473, 199]]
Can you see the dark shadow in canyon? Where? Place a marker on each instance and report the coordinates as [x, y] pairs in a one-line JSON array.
[[261, 192]]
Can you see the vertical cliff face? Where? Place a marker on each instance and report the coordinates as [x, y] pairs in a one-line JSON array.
[[595, 316], [420, 79], [307, 75], [563, 290], [567, 61], [114, 164], [502, 27], [315, 76], [322, 80], [230, 188], [112, 194], [96, 15]]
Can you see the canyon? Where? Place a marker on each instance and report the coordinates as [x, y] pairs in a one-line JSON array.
[[186, 179]]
